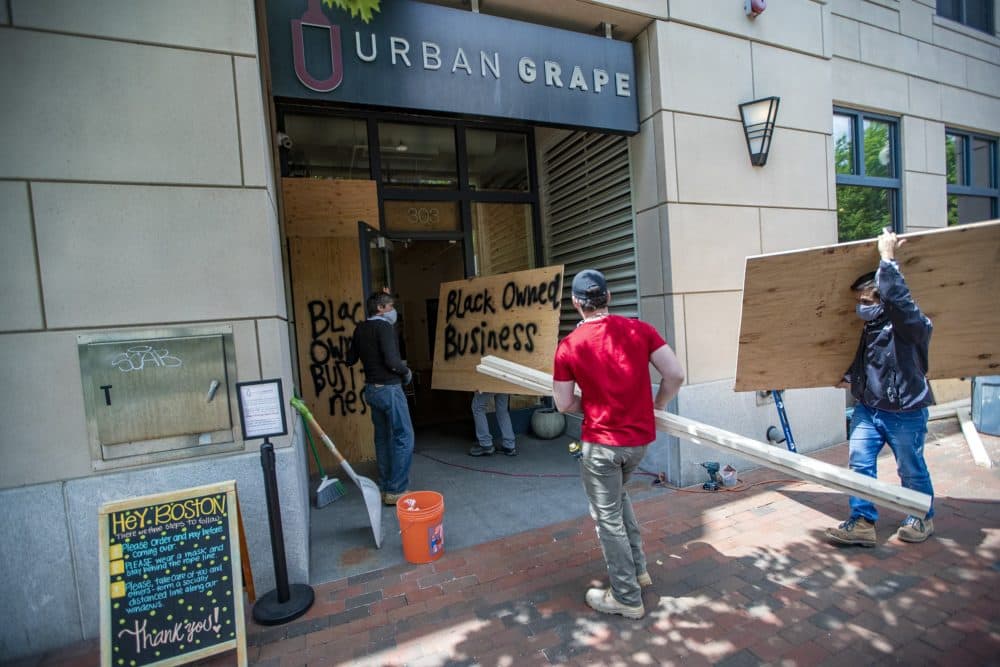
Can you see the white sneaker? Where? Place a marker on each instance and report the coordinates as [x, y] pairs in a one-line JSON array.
[[600, 599]]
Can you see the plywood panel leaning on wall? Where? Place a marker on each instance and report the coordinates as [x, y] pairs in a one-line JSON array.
[[321, 219], [514, 315], [798, 327]]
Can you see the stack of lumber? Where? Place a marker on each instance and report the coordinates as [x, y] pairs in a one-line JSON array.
[[795, 465]]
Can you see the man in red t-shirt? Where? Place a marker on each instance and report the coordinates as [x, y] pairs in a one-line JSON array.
[[608, 356]]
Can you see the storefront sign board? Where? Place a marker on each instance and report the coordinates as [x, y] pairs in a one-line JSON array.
[[413, 55]]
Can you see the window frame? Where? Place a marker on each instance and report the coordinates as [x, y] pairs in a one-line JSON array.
[[860, 178], [963, 14], [968, 175]]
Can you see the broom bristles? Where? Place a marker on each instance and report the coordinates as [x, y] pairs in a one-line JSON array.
[[329, 489]]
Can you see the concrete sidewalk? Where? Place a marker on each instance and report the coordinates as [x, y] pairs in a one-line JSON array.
[[741, 577]]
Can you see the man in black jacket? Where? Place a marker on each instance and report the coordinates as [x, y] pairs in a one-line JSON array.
[[888, 377], [374, 343]]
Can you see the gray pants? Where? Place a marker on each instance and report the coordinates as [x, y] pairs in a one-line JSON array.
[[605, 470], [501, 402]]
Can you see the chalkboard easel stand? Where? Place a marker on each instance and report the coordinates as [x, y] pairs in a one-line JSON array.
[[285, 603]]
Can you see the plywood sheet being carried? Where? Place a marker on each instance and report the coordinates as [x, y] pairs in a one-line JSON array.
[[798, 327], [326, 291], [327, 207], [512, 315]]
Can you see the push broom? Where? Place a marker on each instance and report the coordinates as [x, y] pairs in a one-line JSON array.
[[328, 489]]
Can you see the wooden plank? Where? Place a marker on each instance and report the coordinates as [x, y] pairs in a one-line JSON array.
[[830, 476], [326, 207], [947, 410], [515, 314], [979, 454], [326, 293], [798, 327]]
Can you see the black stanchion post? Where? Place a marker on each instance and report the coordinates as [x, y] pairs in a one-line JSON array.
[[285, 603]]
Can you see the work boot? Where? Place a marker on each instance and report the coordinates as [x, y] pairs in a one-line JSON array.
[[392, 498], [644, 580], [479, 450], [601, 599], [856, 530], [915, 530]]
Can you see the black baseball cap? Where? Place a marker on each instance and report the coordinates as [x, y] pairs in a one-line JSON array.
[[589, 284], [864, 281]]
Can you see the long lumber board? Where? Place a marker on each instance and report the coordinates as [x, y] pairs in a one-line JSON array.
[[798, 327], [795, 465]]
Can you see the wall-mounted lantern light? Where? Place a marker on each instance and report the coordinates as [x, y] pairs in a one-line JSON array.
[[758, 126]]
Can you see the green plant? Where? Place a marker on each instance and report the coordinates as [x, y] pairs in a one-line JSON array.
[[362, 8]]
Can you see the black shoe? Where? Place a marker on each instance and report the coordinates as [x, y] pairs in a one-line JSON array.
[[479, 450], [509, 452]]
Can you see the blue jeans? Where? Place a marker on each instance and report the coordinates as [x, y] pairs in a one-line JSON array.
[[393, 435], [904, 432], [483, 435], [604, 471]]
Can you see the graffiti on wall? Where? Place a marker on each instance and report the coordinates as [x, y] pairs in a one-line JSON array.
[[331, 325]]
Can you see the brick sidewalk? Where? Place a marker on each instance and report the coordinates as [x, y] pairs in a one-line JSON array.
[[741, 577]]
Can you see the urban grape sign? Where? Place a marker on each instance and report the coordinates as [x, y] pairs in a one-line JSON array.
[[412, 55]]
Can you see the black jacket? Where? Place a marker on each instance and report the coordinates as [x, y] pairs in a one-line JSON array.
[[889, 371], [374, 343]]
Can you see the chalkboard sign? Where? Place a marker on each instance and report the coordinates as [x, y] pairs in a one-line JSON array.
[[171, 585]]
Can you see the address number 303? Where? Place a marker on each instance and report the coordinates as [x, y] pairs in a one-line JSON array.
[[428, 217]]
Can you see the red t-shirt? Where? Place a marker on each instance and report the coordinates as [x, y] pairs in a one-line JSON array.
[[608, 358]]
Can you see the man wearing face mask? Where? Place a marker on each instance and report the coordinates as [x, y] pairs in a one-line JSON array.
[[888, 377], [374, 343]]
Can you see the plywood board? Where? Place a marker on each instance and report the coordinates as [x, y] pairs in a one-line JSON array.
[[327, 207], [326, 291], [515, 315], [798, 327]]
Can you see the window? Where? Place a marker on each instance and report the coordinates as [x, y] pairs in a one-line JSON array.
[[866, 159], [976, 14], [973, 192], [324, 147]]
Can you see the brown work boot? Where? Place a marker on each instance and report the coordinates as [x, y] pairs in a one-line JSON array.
[[856, 530], [601, 599], [915, 530], [392, 498]]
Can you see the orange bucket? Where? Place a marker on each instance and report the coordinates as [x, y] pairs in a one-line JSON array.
[[421, 525]]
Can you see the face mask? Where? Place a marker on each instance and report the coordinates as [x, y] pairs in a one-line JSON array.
[[868, 312], [390, 316]]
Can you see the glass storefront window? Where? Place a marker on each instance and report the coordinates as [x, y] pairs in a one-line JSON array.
[[843, 143], [418, 156], [971, 163], [863, 211], [983, 160], [502, 238], [325, 147], [497, 160], [963, 209], [421, 216], [955, 158], [878, 149]]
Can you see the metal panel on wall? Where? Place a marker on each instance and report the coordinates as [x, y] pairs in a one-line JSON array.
[[588, 213]]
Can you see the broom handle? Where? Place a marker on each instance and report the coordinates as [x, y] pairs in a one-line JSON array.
[[326, 441], [307, 415]]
